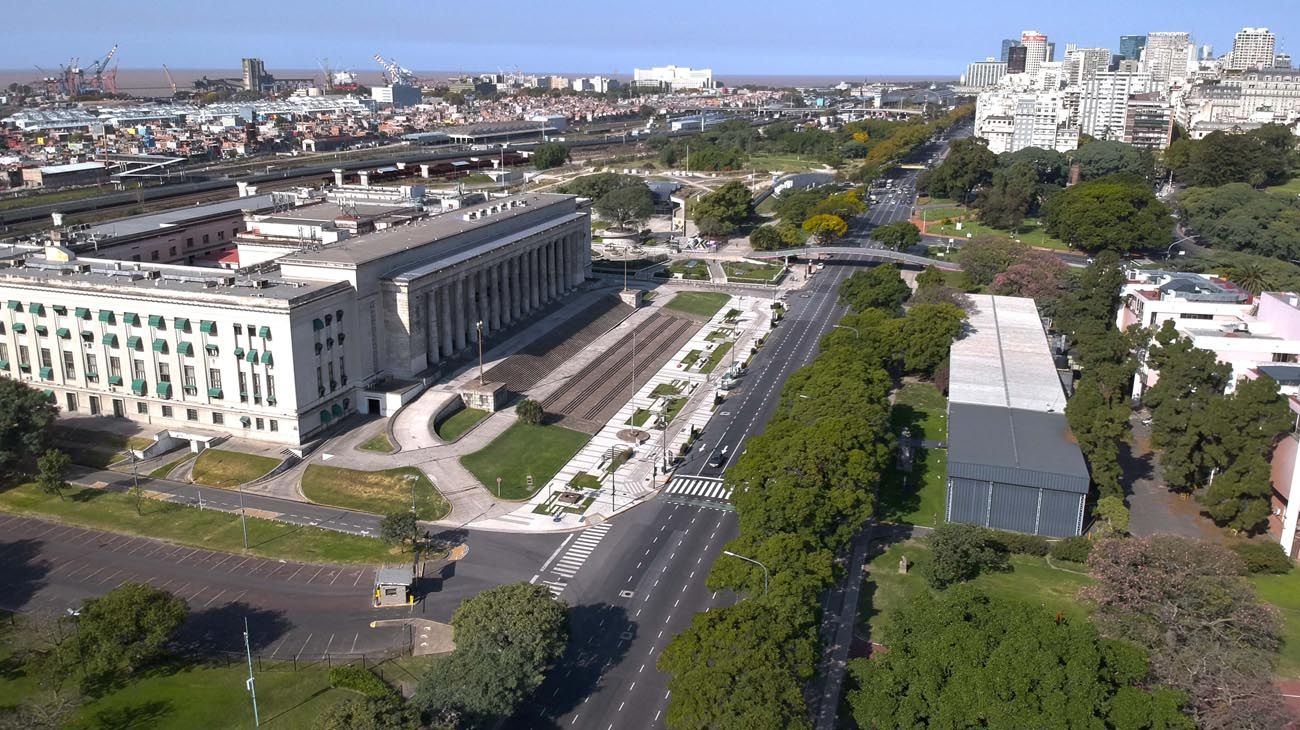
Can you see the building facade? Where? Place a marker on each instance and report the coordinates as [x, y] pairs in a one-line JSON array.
[[1017, 59], [674, 78], [1036, 52], [1130, 47], [1103, 104], [1253, 48], [985, 73]]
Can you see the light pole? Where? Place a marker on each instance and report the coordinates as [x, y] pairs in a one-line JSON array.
[[257, 722], [755, 562], [478, 326], [1169, 251], [243, 520], [856, 334]]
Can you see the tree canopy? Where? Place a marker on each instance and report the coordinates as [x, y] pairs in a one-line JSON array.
[[550, 154], [1236, 217], [26, 416], [725, 208], [1263, 156], [127, 628], [898, 235], [880, 287], [825, 228], [626, 205], [1118, 213], [1103, 158], [968, 167]]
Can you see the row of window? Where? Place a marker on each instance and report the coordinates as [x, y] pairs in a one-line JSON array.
[[155, 321], [72, 404], [154, 255]]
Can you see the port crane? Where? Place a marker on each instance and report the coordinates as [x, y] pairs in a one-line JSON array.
[[395, 73]]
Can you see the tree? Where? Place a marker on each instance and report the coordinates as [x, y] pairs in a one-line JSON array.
[[1037, 275], [953, 659], [795, 205], [1251, 277], [598, 185], [626, 206], [550, 154], [968, 166], [127, 628], [1237, 217], [880, 287], [1114, 514], [898, 235], [1104, 158], [959, 553], [1243, 429], [726, 208], [26, 417], [1117, 213], [825, 228], [930, 277], [52, 477], [1264, 156], [399, 528], [1190, 380], [766, 238], [845, 205], [926, 335], [982, 259], [530, 412], [1188, 604], [369, 713], [1010, 197]]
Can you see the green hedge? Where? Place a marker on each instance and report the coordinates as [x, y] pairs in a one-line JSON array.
[[1074, 549], [359, 679], [1022, 544]]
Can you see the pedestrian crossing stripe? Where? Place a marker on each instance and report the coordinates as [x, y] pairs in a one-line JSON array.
[[573, 558], [704, 487]]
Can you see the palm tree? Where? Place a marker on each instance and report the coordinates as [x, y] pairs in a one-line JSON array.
[[1251, 277]]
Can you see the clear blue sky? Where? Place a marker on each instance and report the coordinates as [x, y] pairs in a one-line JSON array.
[[837, 37]]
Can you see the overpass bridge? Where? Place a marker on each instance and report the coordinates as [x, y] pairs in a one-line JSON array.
[[882, 255]]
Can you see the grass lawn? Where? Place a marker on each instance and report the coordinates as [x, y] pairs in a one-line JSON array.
[[934, 215], [639, 417], [1283, 591], [1292, 187], [927, 200], [922, 408], [675, 406], [379, 443], [665, 389], [716, 356], [1030, 580], [752, 272], [378, 492], [114, 511], [690, 269], [703, 303], [162, 471], [918, 498], [455, 425], [227, 469], [1029, 233], [784, 163], [522, 450], [690, 358]]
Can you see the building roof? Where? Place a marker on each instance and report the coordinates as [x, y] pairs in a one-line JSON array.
[[390, 575], [178, 216], [1003, 358], [73, 167], [1015, 446], [1283, 374]]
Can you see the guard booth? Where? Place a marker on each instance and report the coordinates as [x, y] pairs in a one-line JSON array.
[[393, 586]]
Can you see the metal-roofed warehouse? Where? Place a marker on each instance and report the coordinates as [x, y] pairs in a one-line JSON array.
[[1012, 462]]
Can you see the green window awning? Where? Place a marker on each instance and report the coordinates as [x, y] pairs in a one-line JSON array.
[[137, 386], [266, 358], [325, 417], [42, 330], [63, 333], [155, 320], [181, 323], [17, 306], [36, 308], [159, 345], [211, 348], [134, 343], [185, 348], [47, 373], [208, 327], [20, 328], [4, 364], [25, 366], [106, 315], [264, 332], [252, 356], [131, 318], [337, 410], [49, 395], [83, 313], [239, 352], [165, 388], [246, 421], [115, 380], [317, 325], [214, 393], [110, 339], [59, 309], [87, 336]]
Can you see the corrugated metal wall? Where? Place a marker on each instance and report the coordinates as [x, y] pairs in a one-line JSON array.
[[1011, 507]]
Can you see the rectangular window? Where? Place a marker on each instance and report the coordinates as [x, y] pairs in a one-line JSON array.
[[167, 411], [92, 368], [275, 425], [270, 387], [94, 405], [47, 361], [187, 377], [257, 389], [333, 383], [4, 352], [69, 365], [205, 238], [260, 424], [189, 242], [243, 387], [320, 384], [252, 330], [135, 257], [1191, 315], [164, 372], [343, 371], [191, 414], [171, 251], [25, 361], [1285, 357], [115, 367], [218, 418], [72, 402], [221, 235], [153, 255], [214, 378], [142, 408], [137, 369]]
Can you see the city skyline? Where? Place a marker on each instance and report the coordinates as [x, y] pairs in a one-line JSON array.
[[727, 37]]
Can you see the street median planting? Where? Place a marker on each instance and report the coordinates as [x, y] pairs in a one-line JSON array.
[[229, 469], [523, 450], [700, 303], [378, 492]]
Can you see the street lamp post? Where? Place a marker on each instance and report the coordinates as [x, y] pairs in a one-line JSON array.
[[252, 690], [478, 326], [856, 334], [755, 562]]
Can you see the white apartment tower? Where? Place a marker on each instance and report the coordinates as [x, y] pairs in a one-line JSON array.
[[1035, 44], [1080, 63], [1103, 106], [1167, 56], [985, 73], [1252, 48]]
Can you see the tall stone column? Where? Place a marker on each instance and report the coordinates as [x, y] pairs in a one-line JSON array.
[[432, 312], [497, 272], [444, 319], [550, 270], [567, 269], [458, 306], [534, 291], [475, 303], [517, 285]]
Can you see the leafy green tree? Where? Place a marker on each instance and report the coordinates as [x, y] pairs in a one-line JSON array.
[[530, 412], [727, 207], [1251, 277], [597, 185], [550, 154], [959, 553], [626, 206], [1111, 511], [930, 277], [844, 205], [1104, 158], [399, 528], [968, 167], [1244, 428], [794, 206], [898, 235], [53, 472], [1264, 156], [1099, 427], [952, 657], [127, 628], [26, 417], [1236, 217], [520, 618], [1190, 380], [825, 228], [1117, 213], [926, 335], [369, 713], [766, 238], [880, 287], [1089, 310], [1010, 197], [1051, 167], [982, 259]]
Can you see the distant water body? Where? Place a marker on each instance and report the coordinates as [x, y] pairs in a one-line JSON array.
[[148, 82]]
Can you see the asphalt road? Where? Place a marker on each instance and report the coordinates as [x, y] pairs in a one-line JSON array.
[[639, 581]]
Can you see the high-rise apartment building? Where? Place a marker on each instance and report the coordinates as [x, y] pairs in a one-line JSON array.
[[1148, 122], [1035, 44], [1080, 63], [1103, 106], [985, 73], [1282, 60], [1130, 47], [674, 78], [1016, 59], [1253, 48], [1167, 55], [1007, 45]]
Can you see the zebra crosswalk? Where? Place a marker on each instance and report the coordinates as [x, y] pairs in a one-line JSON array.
[[703, 487], [574, 556]]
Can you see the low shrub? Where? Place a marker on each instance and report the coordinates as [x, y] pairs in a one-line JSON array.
[[359, 679], [1263, 556], [1073, 549], [1022, 544]]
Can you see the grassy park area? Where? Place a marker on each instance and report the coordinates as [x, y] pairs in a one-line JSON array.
[[454, 426], [751, 272], [716, 356], [162, 471], [115, 511], [702, 303], [918, 498], [378, 443], [1030, 233], [522, 450], [773, 162], [1283, 591], [1291, 187], [691, 269], [378, 492], [229, 469]]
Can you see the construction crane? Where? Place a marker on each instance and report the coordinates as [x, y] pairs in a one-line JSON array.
[[395, 73], [170, 81], [98, 68]]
